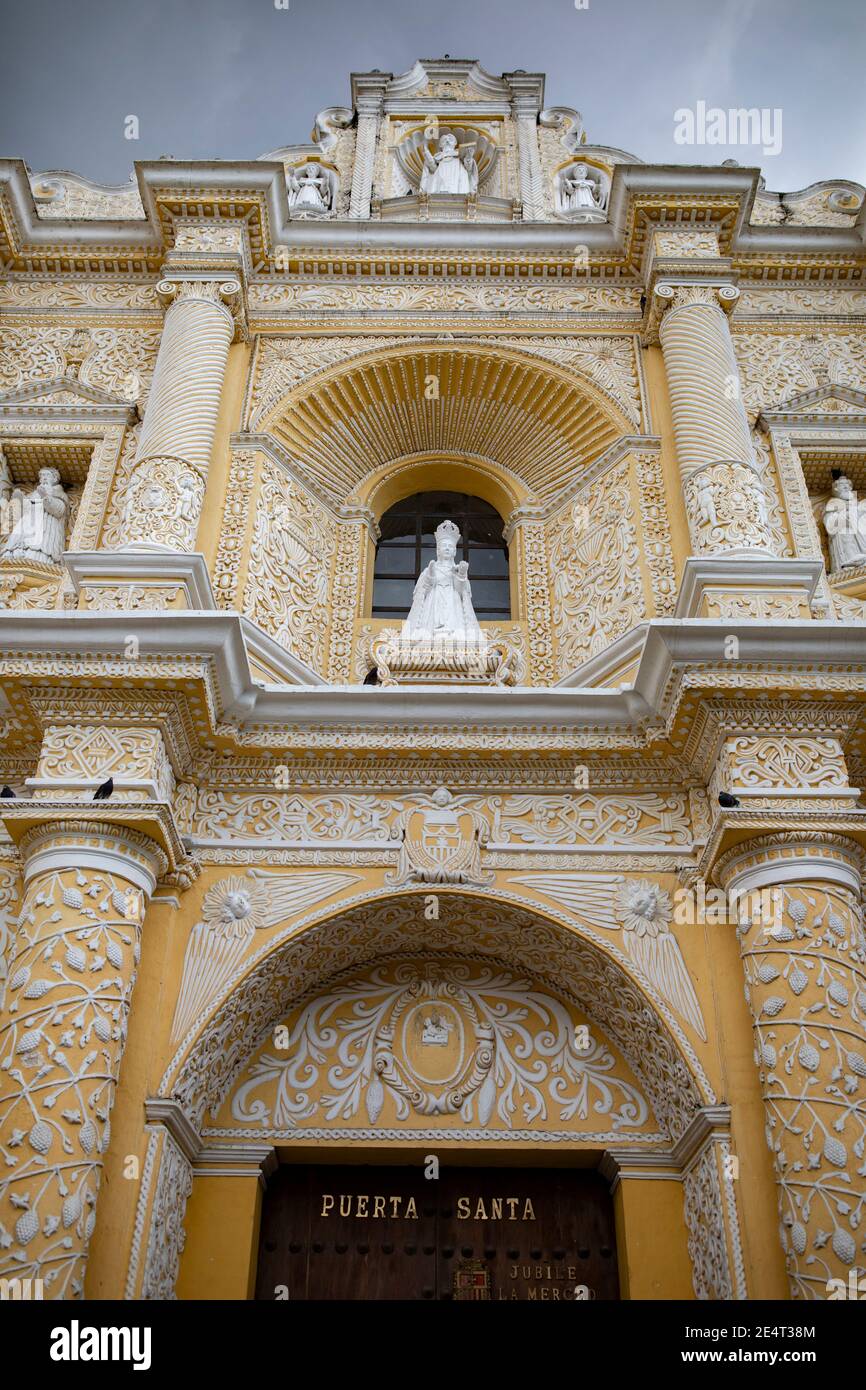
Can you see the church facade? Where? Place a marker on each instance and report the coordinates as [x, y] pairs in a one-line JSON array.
[[515, 951]]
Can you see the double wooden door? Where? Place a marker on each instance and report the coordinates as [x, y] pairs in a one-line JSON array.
[[359, 1232]]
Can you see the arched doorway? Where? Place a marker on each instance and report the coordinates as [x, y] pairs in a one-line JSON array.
[[634, 1105]]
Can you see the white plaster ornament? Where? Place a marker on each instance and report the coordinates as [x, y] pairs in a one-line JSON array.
[[641, 911]]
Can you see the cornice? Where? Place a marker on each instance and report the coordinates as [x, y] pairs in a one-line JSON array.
[[211, 646], [642, 196]]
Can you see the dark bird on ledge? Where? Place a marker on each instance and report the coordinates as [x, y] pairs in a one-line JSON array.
[[7, 791], [728, 801], [104, 791]]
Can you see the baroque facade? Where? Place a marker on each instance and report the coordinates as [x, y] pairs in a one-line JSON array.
[[343, 902]]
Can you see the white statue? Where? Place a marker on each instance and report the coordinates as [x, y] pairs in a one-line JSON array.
[[185, 507], [40, 533], [845, 524], [578, 191], [6, 490], [309, 190], [442, 598], [449, 171], [706, 501]]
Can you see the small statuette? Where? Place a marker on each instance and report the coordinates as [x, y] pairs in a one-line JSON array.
[[39, 535], [844, 520]]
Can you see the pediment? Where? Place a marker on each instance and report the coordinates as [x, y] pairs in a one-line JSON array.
[[826, 400], [447, 79], [62, 395]]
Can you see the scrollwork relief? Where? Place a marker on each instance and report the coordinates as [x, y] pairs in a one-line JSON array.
[[437, 1040], [594, 558], [291, 552]]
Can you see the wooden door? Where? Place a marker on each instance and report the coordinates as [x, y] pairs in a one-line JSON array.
[[359, 1232]]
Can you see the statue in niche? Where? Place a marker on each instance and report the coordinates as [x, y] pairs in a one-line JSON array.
[[6, 490], [579, 192], [309, 189], [39, 535], [845, 524], [442, 598], [450, 170]]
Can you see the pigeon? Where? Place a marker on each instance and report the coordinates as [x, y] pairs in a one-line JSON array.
[[104, 791], [728, 801], [7, 791]]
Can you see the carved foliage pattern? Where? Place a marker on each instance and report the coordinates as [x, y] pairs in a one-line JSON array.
[[806, 986], [656, 532], [785, 762], [464, 1043], [774, 367], [474, 928], [536, 821], [707, 1247], [70, 983], [88, 751], [290, 564], [100, 357], [594, 558], [234, 527], [167, 1235]]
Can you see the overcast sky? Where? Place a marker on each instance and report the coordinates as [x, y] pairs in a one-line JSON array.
[[232, 79]]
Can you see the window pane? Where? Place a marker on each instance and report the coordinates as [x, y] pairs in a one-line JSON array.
[[396, 559], [489, 593], [397, 528], [429, 525], [393, 593], [481, 545], [485, 530], [487, 562]]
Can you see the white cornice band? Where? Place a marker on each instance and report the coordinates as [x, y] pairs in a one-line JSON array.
[[668, 645]]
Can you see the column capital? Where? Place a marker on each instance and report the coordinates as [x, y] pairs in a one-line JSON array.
[[222, 284], [144, 838], [368, 91], [666, 293], [749, 850]]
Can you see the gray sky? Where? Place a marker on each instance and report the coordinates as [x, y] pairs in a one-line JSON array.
[[234, 78]]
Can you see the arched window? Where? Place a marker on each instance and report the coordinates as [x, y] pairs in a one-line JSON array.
[[408, 543]]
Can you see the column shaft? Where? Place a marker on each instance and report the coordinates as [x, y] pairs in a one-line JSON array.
[[806, 988], [166, 491], [723, 491], [62, 1034]]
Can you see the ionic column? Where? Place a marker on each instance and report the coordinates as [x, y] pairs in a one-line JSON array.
[[723, 491], [167, 487], [62, 1035]]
